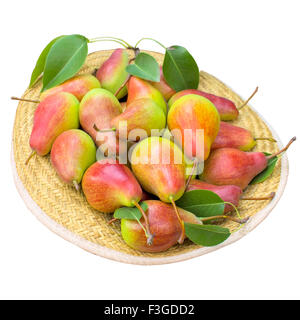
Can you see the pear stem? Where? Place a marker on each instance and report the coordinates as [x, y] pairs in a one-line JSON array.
[[112, 220], [33, 152], [182, 236], [240, 221], [192, 173], [246, 102], [152, 40], [26, 100], [122, 86], [149, 236], [270, 196], [103, 130], [268, 139], [282, 150], [113, 40], [76, 185], [235, 208]]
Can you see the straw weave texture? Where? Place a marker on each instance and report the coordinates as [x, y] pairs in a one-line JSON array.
[[67, 207]]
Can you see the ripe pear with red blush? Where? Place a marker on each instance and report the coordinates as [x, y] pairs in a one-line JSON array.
[[187, 117], [99, 107], [163, 87], [226, 108], [78, 86], [228, 193], [112, 74], [159, 166], [229, 166], [231, 136], [138, 89], [109, 185], [141, 114], [163, 223], [54, 115], [72, 153]]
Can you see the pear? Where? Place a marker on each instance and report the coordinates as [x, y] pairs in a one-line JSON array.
[[163, 87], [54, 115], [229, 166], [72, 153], [159, 166], [138, 88], [78, 86], [99, 107], [226, 108], [163, 223], [141, 114], [112, 74], [228, 193], [231, 136], [109, 185], [186, 116]]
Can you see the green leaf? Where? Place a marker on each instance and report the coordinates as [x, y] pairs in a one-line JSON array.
[[40, 64], [64, 60], [206, 235], [203, 203], [180, 69], [144, 67], [130, 213], [264, 175]]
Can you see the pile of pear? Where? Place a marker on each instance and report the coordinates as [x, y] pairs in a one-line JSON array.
[[82, 116]]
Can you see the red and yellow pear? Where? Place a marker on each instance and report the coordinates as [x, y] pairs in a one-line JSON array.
[[229, 166], [163, 87], [228, 193], [141, 114], [138, 89], [54, 115], [231, 136], [112, 74], [226, 108], [163, 224], [78, 86], [72, 153], [109, 185], [99, 107], [159, 166], [194, 122]]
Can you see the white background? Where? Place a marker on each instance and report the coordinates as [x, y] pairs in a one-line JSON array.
[[244, 43]]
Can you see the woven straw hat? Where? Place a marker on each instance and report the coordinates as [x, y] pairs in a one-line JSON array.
[[66, 212]]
